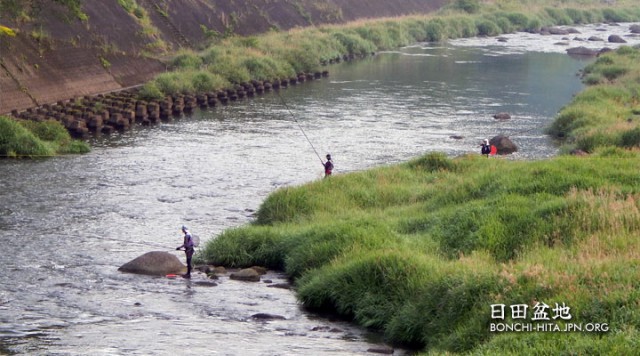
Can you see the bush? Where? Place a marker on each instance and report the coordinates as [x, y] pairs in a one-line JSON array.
[[230, 70], [487, 28], [433, 162], [50, 130], [246, 247], [559, 16], [150, 91], [204, 82], [187, 60], [354, 43], [435, 30], [614, 71], [519, 20], [284, 205], [18, 141], [468, 6], [577, 16], [616, 15], [630, 138]]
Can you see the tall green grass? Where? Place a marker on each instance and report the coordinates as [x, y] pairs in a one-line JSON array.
[[606, 114], [420, 250], [36, 139]]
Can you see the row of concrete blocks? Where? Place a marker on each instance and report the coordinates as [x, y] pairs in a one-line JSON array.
[[119, 111]]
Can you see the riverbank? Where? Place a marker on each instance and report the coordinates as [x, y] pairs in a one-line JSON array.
[[430, 251], [19, 139], [237, 67]]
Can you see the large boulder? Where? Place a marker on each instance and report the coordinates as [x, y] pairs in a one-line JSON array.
[[156, 263], [503, 144], [247, 275]]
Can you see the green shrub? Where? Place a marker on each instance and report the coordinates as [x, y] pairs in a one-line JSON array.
[[577, 16], [187, 60], [435, 30], [204, 81], [150, 91], [519, 20], [48, 131], [354, 43], [18, 141], [630, 138], [616, 15], [593, 79], [432, 162], [487, 28], [559, 16], [283, 206], [468, 6], [614, 71], [246, 247], [534, 25]]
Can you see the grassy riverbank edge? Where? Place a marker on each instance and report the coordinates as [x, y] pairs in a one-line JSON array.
[[31, 139], [422, 250], [274, 56]]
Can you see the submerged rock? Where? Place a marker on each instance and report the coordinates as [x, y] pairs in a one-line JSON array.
[[156, 263], [267, 316], [502, 116], [582, 51], [247, 275], [381, 349]]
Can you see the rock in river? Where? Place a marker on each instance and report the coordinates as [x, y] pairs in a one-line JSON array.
[[156, 263]]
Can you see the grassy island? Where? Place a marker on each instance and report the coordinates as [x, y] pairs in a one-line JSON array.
[[429, 252]]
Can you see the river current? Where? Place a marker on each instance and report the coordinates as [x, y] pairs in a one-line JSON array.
[[68, 223]]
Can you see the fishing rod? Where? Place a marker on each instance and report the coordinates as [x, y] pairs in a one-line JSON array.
[[296, 120]]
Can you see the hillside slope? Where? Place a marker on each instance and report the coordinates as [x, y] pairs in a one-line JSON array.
[[60, 53]]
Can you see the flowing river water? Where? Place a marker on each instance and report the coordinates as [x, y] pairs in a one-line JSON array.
[[68, 223]]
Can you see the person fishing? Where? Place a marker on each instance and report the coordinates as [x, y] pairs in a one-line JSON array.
[[188, 246], [328, 166], [486, 148]]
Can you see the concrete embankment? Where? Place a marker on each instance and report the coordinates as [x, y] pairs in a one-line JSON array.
[[118, 111], [107, 46]]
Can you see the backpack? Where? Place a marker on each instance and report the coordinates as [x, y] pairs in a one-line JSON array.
[[192, 241]]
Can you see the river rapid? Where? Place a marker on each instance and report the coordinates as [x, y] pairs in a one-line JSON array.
[[68, 223]]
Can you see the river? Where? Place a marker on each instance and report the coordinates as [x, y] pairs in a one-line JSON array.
[[68, 223]]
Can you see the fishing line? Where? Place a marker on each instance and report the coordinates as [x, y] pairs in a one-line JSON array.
[[296, 120]]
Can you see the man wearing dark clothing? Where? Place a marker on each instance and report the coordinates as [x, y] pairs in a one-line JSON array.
[[328, 166], [188, 246], [486, 148]]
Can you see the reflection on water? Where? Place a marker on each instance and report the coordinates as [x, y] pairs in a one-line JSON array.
[[68, 223]]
